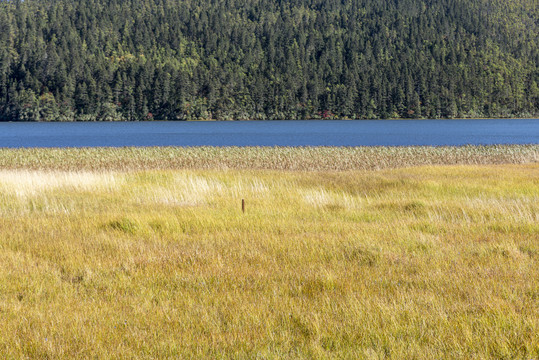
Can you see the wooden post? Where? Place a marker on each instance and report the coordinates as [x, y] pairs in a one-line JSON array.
[[242, 205]]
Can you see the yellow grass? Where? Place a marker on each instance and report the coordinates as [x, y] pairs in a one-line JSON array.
[[429, 262]]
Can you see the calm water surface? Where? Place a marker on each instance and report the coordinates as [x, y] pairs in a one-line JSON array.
[[272, 133]]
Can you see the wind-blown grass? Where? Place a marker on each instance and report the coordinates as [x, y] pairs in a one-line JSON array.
[[422, 262]]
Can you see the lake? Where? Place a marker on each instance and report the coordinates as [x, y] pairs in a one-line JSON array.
[[271, 133]]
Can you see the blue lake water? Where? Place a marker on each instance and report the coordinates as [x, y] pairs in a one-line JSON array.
[[271, 133]]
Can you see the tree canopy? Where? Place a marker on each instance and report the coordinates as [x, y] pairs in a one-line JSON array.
[[65, 60]]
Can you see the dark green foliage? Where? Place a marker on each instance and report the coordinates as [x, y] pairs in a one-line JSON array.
[[67, 60]]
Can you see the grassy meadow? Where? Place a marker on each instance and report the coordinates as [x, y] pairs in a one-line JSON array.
[[427, 253]]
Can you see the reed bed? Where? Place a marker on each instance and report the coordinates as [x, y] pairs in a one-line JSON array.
[[270, 158], [101, 257]]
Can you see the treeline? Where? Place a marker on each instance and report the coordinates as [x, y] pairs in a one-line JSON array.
[[66, 60]]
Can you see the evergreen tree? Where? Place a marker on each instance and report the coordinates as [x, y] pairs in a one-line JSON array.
[[66, 60]]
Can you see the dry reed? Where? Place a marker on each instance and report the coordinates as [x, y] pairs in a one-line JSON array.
[[270, 158]]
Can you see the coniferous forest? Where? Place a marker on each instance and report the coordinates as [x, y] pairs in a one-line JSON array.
[[66, 60]]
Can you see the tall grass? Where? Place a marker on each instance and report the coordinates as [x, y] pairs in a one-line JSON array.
[[422, 262], [271, 158]]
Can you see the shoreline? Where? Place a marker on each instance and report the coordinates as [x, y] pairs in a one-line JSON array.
[[270, 120]]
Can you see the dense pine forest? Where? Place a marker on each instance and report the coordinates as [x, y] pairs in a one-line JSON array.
[[66, 60]]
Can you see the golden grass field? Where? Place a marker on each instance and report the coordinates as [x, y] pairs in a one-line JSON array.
[[145, 253]]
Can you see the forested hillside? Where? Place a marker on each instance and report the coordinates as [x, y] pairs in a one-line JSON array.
[[65, 60]]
